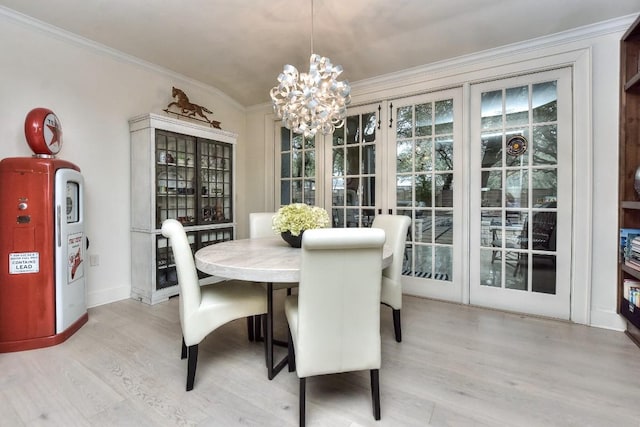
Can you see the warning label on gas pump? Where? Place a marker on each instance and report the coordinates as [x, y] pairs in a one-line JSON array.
[[24, 262]]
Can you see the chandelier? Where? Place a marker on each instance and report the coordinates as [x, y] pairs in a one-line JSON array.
[[313, 101]]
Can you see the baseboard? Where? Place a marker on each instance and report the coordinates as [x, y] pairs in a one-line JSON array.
[[107, 296], [607, 319]]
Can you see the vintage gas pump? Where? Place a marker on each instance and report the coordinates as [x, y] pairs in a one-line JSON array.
[[42, 250]]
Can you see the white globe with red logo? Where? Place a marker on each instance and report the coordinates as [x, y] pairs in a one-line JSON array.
[[43, 131]]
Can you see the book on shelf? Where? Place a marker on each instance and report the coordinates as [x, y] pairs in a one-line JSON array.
[[630, 262], [626, 237]]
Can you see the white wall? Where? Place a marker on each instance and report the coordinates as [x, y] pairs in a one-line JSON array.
[[94, 92], [593, 53]]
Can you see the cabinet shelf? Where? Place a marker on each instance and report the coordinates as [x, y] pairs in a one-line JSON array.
[[629, 205], [630, 271]]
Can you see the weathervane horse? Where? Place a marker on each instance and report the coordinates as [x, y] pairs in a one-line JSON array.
[[188, 108]]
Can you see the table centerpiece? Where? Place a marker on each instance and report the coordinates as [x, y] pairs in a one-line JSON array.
[[292, 220]]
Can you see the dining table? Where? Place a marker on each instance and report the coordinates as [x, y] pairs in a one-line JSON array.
[[267, 259]]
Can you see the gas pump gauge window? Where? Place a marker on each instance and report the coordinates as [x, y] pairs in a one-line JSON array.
[[73, 189]]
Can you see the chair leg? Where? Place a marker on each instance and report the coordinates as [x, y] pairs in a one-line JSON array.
[[250, 329], [250, 320], [397, 328], [192, 361], [183, 354], [302, 401], [258, 327], [291, 357], [375, 392], [264, 339]]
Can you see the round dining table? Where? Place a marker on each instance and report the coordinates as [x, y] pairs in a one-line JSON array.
[[267, 259]]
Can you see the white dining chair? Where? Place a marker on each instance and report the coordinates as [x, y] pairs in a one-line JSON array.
[[395, 228], [261, 225], [205, 308], [334, 320]]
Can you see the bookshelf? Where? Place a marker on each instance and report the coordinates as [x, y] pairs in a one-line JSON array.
[[629, 161]]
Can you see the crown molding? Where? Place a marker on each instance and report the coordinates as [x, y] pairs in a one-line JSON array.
[[72, 38]]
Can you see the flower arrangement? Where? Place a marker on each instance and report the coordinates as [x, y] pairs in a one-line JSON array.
[[297, 217]]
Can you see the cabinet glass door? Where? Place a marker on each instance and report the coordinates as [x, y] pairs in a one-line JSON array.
[[175, 178], [215, 184]]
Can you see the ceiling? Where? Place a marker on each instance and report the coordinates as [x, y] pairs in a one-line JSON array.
[[240, 46]]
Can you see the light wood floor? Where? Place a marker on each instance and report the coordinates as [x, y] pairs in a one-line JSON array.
[[457, 366]]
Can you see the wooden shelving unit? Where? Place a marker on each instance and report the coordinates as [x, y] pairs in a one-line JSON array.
[[629, 200]]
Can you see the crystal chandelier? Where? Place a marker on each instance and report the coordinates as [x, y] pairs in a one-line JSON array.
[[313, 101]]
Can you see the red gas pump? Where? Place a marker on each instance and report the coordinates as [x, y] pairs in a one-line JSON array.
[[42, 283]]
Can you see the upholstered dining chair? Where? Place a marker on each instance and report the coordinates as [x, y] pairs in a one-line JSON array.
[[334, 320], [260, 225], [395, 228], [205, 308]]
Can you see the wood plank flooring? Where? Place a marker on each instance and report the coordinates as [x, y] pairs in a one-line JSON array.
[[457, 366]]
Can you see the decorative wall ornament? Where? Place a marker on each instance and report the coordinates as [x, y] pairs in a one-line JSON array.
[[186, 108], [517, 145]]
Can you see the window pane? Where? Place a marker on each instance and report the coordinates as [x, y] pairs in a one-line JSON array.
[[517, 188], [296, 164], [444, 154], [404, 156], [491, 150], [545, 145], [545, 102], [296, 186], [285, 139], [424, 119], [517, 106], [352, 125], [285, 165], [491, 187], [285, 192], [353, 160], [424, 160], [369, 159], [310, 164], [443, 263], [491, 110], [444, 190], [545, 186], [403, 190], [369, 125], [368, 191], [404, 122], [353, 184], [444, 116], [338, 161], [423, 190]]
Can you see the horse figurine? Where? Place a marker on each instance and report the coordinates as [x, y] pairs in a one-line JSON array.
[[188, 108]]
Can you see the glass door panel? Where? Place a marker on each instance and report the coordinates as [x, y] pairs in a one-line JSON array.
[[424, 166], [353, 194], [297, 161], [519, 193]]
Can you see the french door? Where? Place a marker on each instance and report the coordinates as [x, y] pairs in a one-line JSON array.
[[355, 194], [425, 181], [520, 193]]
